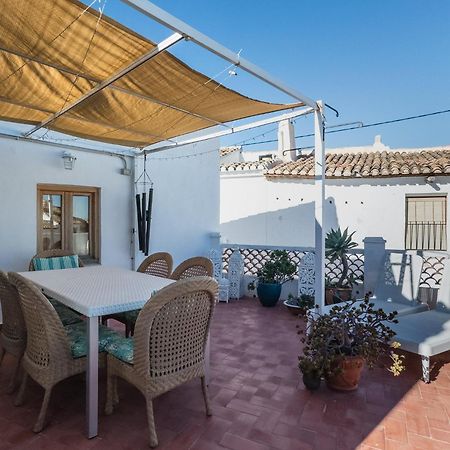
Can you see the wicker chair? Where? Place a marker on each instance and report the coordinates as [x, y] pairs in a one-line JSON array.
[[54, 253], [49, 355], [168, 348], [159, 264], [13, 333], [198, 266]]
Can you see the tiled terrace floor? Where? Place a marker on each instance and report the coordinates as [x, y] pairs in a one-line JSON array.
[[259, 402]]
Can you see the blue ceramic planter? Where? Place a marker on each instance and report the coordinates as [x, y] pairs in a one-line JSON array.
[[268, 293]]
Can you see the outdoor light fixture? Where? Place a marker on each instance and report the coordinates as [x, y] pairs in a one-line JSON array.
[[69, 160]]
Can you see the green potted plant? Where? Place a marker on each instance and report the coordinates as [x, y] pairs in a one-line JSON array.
[[350, 336], [311, 367], [337, 245], [276, 271], [299, 305]]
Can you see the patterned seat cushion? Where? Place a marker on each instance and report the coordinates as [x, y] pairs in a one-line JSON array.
[[57, 262], [68, 316], [77, 334], [122, 348]]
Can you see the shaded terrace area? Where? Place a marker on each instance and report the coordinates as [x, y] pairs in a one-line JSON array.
[[258, 401]]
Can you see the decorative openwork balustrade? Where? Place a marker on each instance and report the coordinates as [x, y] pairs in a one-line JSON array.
[[432, 270], [240, 263], [254, 257]]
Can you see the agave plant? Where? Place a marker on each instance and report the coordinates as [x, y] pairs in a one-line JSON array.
[[337, 245]]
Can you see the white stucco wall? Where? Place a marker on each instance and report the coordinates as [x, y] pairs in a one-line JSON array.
[[186, 206], [185, 200], [257, 211]]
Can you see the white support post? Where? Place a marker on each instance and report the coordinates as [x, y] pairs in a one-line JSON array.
[[319, 168]]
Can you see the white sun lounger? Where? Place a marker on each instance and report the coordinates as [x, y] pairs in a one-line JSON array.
[[428, 333], [397, 287]]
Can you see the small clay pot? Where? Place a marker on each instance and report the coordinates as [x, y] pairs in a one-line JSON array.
[[347, 375], [311, 381]]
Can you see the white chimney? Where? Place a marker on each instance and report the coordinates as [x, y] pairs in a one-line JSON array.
[[286, 141]]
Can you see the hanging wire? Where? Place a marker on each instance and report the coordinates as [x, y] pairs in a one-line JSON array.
[[51, 42], [75, 80], [162, 107], [144, 176], [359, 126]]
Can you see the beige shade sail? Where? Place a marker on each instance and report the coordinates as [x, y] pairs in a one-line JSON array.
[[53, 52]]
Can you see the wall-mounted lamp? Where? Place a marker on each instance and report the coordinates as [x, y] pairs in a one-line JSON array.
[[69, 160], [430, 180]]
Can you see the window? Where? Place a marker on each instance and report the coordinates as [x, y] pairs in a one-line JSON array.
[[426, 223], [68, 218]]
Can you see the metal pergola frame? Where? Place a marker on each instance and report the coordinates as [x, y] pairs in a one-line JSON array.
[[316, 107], [184, 31]]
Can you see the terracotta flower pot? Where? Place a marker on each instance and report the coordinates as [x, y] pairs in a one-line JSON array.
[[347, 377], [343, 293]]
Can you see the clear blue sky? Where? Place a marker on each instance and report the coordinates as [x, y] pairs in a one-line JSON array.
[[372, 59]]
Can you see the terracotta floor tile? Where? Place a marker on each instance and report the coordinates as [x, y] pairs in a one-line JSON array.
[[238, 443], [257, 398]]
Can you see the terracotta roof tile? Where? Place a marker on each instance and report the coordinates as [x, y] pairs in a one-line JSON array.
[[227, 150], [247, 166], [369, 164]]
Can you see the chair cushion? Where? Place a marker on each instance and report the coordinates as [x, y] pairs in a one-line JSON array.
[[68, 316], [77, 334], [59, 262], [122, 348]]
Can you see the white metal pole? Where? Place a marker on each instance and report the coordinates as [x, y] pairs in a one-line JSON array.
[[166, 19], [247, 126], [319, 168]]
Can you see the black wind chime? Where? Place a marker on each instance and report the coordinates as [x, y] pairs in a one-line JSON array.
[[144, 208]]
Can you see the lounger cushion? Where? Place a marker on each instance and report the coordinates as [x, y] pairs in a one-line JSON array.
[[122, 348], [77, 334], [426, 333], [401, 308], [59, 262]]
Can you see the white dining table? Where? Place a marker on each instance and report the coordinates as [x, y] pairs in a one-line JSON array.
[[96, 291]]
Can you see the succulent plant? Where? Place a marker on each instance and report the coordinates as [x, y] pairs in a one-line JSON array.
[[337, 245]]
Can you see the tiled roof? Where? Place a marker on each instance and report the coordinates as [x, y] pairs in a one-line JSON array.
[[227, 150], [247, 166], [370, 164]]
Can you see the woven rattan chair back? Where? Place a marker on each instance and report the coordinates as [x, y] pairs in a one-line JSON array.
[[198, 266], [159, 264], [47, 342], [13, 333], [171, 332], [54, 253]]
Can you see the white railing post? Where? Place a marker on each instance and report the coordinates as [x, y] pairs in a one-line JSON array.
[[374, 253], [215, 255], [235, 270], [307, 274], [319, 201]]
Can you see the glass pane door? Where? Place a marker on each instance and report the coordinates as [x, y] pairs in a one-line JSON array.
[[52, 221], [81, 224]]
